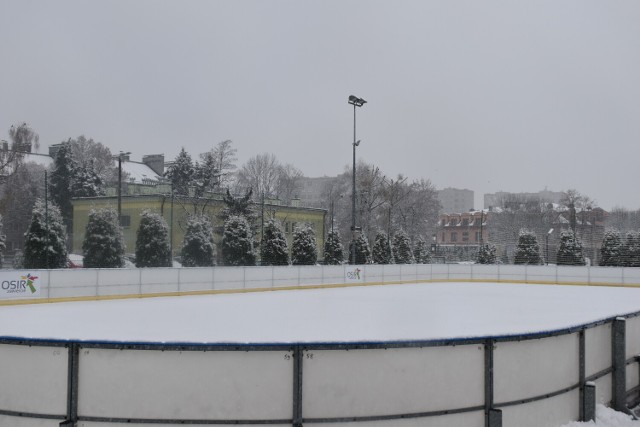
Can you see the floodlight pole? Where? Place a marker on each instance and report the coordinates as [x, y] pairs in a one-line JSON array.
[[356, 102]]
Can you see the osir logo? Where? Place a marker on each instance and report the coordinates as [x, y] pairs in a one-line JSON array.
[[354, 275], [23, 286]]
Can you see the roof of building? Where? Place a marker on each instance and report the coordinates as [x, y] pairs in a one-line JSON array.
[[139, 173]]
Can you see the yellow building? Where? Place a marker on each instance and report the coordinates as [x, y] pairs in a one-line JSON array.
[[176, 212]]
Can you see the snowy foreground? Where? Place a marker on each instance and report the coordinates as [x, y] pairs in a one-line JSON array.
[[607, 417], [371, 314]]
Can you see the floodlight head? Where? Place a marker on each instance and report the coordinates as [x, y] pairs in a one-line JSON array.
[[550, 231], [357, 143], [355, 101]]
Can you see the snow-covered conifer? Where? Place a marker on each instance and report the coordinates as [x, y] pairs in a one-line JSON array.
[[402, 253], [421, 252], [198, 247], [303, 246], [487, 254], [181, 173], [333, 249], [274, 249], [44, 249], [86, 183], [363, 252], [3, 237], [570, 249], [103, 245], [381, 252], [237, 242], [152, 241], [528, 250], [631, 251], [64, 169], [611, 253]]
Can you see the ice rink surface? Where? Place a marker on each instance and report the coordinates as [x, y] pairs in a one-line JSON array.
[[424, 311]]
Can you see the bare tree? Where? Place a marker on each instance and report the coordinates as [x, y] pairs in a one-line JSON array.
[[223, 157], [88, 153], [261, 173], [23, 140], [288, 182]]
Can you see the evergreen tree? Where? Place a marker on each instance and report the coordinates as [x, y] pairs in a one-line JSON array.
[[207, 176], [3, 238], [631, 250], [570, 249], [181, 173], [237, 242], [86, 183], [363, 252], [64, 169], [382, 249], [612, 251], [238, 206], [198, 247], [44, 249], [103, 245], [421, 252], [528, 250], [333, 249], [152, 241], [401, 245], [274, 249], [487, 254], [303, 246]]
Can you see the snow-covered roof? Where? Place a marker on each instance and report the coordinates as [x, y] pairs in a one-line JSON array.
[[138, 172], [40, 159]]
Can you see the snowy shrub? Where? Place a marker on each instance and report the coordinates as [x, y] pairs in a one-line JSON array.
[[401, 245], [487, 254], [421, 251], [363, 253], [612, 251], [3, 245], [237, 242], [333, 249], [303, 246], [103, 245], [528, 250], [570, 249], [44, 249], [152, 241], [198, 247], [381, 253], [274, 249], [631, 250]]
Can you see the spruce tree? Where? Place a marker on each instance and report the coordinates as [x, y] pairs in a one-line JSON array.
[[401, 245], [381, 252], [528, 250], [64, 169], [198, 247], [303, 246], [274, 249], [237, 242], [152, 241], [103, 245], [363, 252], [612, 251], [3, 245], [421, 252], [44, 249], [181, 173], [570, 249], [487, 254], [631, 250], [333, 249], [86, 183]]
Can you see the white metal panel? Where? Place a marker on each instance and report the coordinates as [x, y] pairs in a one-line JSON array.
[[469, 419], [569, 274], [34, 379], [606, 275], [374, 274], [311, 275], [552, 412], [393, 381], [603, 390], [408, 272], [196, 279], [423, 272], [511, 272], [333, 274], [159, 280], [460, 272], [597, 343], [485, 272], [392, 273], [632, 336], [28, 422], [257, 277], [72, 283], [631, 276], [534, 367], [118, 281], [285, 276], [540, 273], [633, 377], [97, 424], [228, 278], [440, 271], [185, 385]]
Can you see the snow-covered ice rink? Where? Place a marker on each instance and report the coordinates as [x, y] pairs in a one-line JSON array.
[[423, 311]]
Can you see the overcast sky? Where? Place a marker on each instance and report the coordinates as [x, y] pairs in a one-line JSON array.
[[485, 95]]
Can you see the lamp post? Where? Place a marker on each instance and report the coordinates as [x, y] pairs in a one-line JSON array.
[[356, 102], [120, 157], [547, 236]]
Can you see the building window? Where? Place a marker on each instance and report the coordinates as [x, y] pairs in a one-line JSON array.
[[454, 237], [465, 222], [125, 221], [465, 236], [477, 236]]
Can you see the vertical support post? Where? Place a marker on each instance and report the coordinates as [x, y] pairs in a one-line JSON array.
[[619, 377], [582, 375], [72, 387], [297, 386], [589, 402], [493, 417]]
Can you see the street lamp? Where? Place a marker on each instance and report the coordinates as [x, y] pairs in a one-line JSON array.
[[120, 157], [547, 236], [356, 102]]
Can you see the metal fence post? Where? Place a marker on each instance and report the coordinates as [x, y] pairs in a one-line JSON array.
[[582, 375], [589, 402], [72, 386], [493, 417], [297, 386], [619, 375]]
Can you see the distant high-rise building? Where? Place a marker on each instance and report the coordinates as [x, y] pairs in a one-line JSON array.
[[495, 199], [455, 200]]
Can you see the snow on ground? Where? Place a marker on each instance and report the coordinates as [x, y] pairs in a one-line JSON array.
[[371, 314], [607, 417]]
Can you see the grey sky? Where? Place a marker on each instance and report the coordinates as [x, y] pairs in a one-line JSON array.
[[491, 95]]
